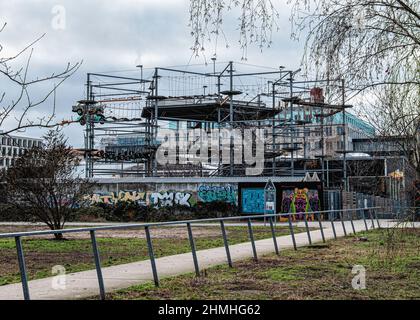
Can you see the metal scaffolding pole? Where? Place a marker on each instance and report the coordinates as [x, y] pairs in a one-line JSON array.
[[344, 137], [231, 116], [291, 128]]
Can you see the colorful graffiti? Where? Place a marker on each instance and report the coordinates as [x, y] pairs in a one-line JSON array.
[[300, 201], [209, 193], [252, 200], [162, 198], [165, 199], [115, 197], [157, 199]]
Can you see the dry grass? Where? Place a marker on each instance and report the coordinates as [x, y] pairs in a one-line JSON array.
[[317, 272]]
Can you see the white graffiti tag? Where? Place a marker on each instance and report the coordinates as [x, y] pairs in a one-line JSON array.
[[165, 199]]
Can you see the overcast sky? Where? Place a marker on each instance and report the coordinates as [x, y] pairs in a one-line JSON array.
[[118, 35]]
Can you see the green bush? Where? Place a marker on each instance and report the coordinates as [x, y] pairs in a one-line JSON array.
[[9, 213], [131, 211]]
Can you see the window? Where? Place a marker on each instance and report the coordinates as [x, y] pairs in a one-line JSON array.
[[340, 130], [329, 145], [328, 131]]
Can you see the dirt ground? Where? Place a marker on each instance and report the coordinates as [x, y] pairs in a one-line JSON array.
[[160, 233], [391, 260]]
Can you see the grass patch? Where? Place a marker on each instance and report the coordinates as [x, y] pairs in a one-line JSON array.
[[277, 274], [392, 263]]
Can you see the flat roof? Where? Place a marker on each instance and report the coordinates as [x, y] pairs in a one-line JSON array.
[[209, 111], [2, 135], [197, 179]]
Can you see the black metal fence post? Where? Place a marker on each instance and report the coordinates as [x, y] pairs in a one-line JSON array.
[[226, 243], [251, 237], [377, 219], [273, 233], [291, 231], [193, 251], [320, 227], [364, 219], [351, 222], [332, 224], [307, 228], [371, 218], [98, 265], [342, 223], [22, 268], [151, 256]]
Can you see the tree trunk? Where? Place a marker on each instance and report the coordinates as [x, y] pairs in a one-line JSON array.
[[57, 236]]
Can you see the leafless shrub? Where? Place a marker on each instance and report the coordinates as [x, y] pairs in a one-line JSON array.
[[256, 21], [44, 182], [17, 104]]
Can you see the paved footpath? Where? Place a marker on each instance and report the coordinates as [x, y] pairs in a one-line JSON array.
[[85, 284]]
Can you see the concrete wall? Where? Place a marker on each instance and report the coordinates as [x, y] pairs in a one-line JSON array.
[[249, 197], [165, 194]]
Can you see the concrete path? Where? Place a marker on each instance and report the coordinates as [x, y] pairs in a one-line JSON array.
[[85, 284]]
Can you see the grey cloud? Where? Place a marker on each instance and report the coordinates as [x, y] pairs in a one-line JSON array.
[[117, 35]]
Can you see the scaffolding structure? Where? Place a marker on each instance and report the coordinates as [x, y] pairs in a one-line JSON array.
[[122, 117]]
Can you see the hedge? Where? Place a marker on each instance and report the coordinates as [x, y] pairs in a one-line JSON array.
[[131, 212]]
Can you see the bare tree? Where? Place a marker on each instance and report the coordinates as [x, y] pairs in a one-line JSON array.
[[17, 104], [366, 42], [45, 183], [257, 19], [395, 112], [374, 45]]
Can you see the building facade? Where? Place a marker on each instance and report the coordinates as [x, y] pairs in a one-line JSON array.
[[12, 147]]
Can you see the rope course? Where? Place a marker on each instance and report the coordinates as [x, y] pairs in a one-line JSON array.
[[124, 111]]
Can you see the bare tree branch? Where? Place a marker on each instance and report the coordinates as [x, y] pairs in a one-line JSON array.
[[17, 103]]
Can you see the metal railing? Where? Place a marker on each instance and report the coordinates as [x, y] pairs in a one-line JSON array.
[[371, 212]]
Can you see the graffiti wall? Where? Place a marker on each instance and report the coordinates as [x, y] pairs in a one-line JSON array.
[[163, 198], [300, 201], [170, 198], [156, 199], [115, 197], [209, 193], [252, 200]]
